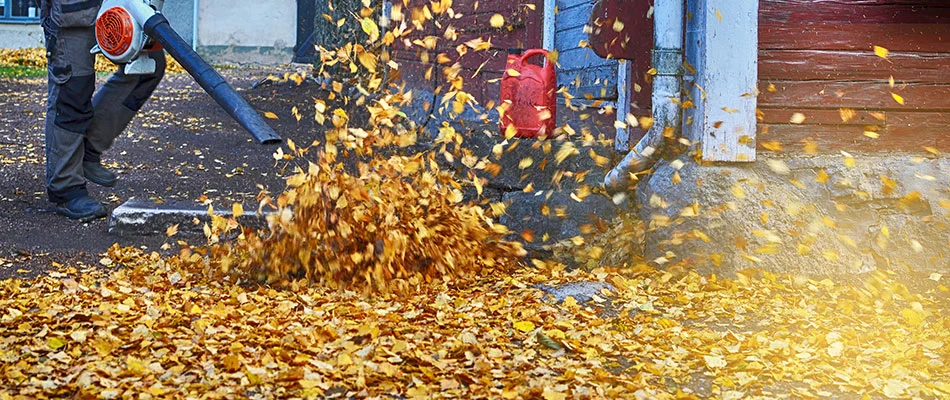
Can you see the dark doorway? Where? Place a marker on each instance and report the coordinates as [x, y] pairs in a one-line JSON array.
[[304, 50]]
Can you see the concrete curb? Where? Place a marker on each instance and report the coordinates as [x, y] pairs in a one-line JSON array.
[[142, 218]]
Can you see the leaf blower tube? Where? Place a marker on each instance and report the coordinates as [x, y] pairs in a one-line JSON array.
[[157, 28]]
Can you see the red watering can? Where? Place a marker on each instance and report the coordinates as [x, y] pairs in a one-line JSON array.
[[530, 93]]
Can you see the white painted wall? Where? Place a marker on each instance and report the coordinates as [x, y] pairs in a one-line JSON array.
[[722, 45], [268, 23], [20, 36]]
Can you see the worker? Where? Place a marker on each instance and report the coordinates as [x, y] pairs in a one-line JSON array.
[[80, 126]]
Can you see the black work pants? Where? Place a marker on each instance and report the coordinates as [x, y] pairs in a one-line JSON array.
[[81, 123]]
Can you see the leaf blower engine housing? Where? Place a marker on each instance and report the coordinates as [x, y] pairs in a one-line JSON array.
[[126, 30], [119, 29]]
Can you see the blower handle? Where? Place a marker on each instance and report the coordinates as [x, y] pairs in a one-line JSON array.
[[157, 27]]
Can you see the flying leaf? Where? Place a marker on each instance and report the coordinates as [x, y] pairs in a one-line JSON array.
[[369, 26], [237, 209], [880, 51], [898, 98], [497, 21], [171, 230]]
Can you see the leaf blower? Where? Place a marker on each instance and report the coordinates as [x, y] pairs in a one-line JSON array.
[[128, 29]]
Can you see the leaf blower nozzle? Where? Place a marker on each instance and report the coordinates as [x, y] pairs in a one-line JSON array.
[[157, 27], [127, 29]]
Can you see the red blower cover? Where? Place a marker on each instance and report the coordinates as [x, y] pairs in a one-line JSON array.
[[530, 93], [114, 31]]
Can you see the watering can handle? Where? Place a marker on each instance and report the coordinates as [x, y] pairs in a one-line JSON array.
[[534, 52]]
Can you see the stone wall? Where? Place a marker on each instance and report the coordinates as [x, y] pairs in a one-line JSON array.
[[818, 215]]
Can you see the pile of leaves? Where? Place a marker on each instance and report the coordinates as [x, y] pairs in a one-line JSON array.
[[160, 328], [396, 224], [35, 57]]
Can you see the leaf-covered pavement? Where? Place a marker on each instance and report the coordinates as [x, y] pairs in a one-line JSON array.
[[145, 325], [156, 329]]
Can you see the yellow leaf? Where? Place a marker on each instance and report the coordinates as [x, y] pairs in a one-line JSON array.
[[369, 26], [835, 349], [848, 159], [368, 60], [894, 388], [772, 146], [553, 395], [525, 163], [171, 230], [79, 335], [880, 51], [55, 343], [738, 192], [714, 362], [797, 118], [778, 166], [270, 115], [847, 114], [232, 363], [719, 15], [343, 360], [913, 318], [524, 326], [237, 209], [898, 98], [618, 25], [497, 21], [822, 176], [134, 365], [646, 123]]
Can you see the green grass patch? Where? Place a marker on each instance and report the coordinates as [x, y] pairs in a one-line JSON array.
[[17, 71]]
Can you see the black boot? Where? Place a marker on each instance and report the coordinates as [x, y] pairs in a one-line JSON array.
[[98, 174], [83, 208]]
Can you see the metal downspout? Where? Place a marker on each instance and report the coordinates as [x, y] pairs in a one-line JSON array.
[[668, 20], [194, 25]]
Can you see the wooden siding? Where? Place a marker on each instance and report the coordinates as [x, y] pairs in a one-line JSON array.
[[583, 72], [817, 57], [481, 70], [634, 42]]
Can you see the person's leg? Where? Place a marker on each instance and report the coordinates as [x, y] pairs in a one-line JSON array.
[[115, 104], [72, 81]]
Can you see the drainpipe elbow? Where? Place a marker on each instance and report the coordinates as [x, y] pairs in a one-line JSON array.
[[623, 177]]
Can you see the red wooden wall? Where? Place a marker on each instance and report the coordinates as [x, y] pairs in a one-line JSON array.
[[817, 57], [522, 29]]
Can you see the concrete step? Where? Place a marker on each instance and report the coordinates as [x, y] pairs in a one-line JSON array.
[[142, 217]]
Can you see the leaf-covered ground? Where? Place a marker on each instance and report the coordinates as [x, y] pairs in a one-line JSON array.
[[375, 279], [16, 63], [152, 328]]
